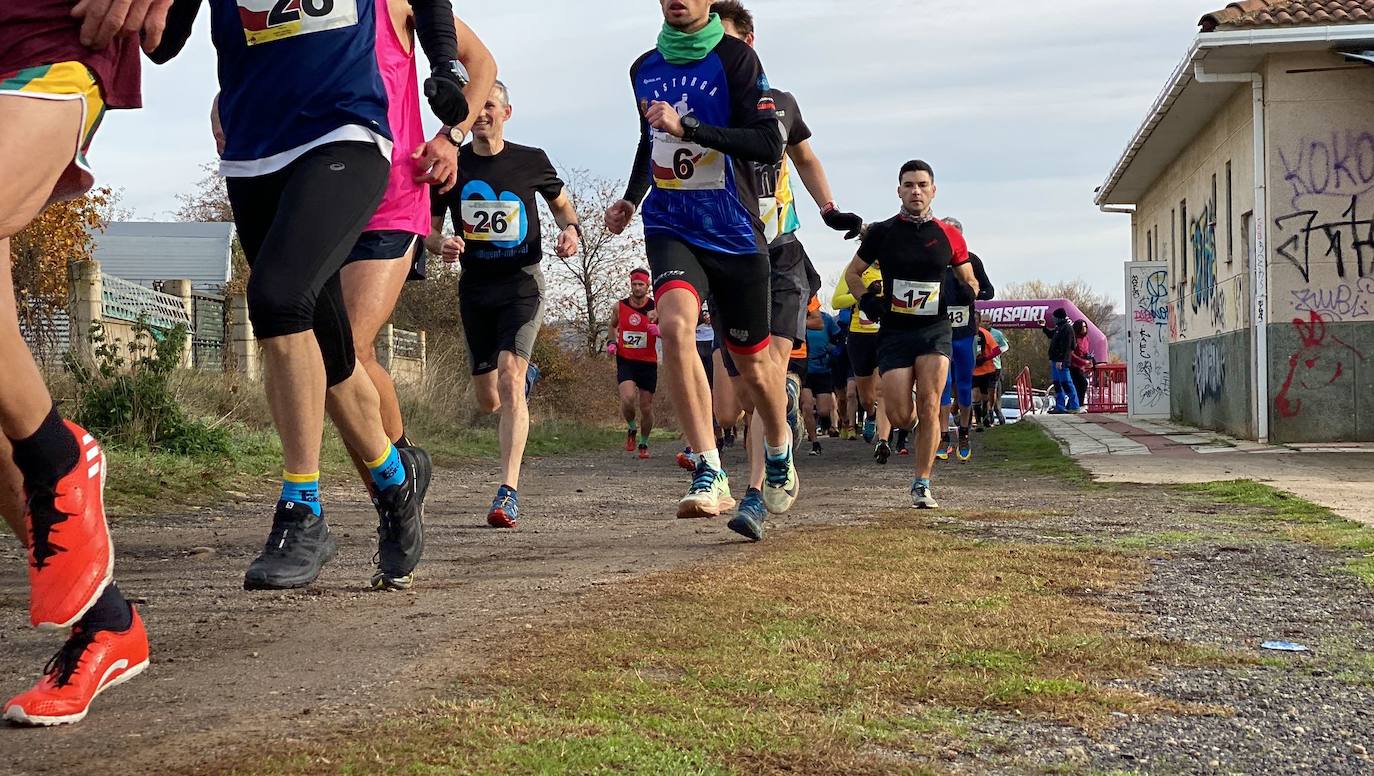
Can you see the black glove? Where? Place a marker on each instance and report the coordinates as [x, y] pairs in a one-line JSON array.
[[873, 306], [444, 90], [849, 223]]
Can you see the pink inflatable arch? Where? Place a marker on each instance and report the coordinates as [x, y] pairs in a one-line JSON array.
[[1031, 314]]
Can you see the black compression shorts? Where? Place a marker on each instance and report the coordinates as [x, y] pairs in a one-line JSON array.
[[863, 353], [738, 286], [503, 315], [819, 383]]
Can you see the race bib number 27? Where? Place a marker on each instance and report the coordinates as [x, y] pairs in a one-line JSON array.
[[915, 297], [265, 21], [635, 340]]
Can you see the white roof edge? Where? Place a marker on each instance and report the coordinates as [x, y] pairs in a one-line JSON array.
[[1183, 76]]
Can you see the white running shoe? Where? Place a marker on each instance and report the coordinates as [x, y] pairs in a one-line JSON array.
[[780, 483], [709, 495], [921, 497]]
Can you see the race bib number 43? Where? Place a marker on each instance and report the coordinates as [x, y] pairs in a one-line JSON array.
[[959, 316], [491, 220], [915, 297], [635, 340], [683, 166], [265, 21]]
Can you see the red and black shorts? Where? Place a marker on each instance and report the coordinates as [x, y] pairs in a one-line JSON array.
[[737, 285]]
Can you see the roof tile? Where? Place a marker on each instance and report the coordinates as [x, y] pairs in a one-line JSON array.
[[1250, 14]]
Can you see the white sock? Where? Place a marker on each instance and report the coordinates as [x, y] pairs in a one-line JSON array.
[[712, 458], [776, 452]]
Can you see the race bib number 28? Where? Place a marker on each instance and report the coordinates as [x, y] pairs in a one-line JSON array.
[[684, 166], [265, 21], [491, 220], [915, 297]]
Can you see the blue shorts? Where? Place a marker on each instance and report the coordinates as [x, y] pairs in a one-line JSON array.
[[960, 374]]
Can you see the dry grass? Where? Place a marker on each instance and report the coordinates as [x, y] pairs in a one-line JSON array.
[[832, 651]]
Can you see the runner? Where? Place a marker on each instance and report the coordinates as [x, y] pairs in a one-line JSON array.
[[915, 250], [501, 290], [960, 301], [862, 344], [843, 376], [53, 94], [995, 406], [818, 392], [307, 160], [706, 341], [793, 279], [635, 344], [986, 353], [703, 232]]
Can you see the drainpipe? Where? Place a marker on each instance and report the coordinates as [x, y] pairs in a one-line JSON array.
[[1125, 209], [1259, 272]]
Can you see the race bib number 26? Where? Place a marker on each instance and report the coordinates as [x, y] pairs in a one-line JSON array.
[[915, 297], [491, 220], [684, 166], [265, 21]]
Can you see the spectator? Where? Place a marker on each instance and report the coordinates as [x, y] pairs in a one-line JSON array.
[[1081, 362], [1060, 334]]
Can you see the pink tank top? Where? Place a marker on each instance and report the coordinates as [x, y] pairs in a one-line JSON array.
[[405, 207]]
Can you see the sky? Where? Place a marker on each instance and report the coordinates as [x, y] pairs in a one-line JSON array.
[[1021, 107]]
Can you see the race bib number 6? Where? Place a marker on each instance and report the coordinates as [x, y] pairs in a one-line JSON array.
[[915, 297], [491, 220], [959, 316], [635, 340], [265, 21], [683, 166]]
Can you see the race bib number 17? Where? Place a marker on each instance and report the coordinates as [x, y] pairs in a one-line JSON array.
[[265, 21], [915, 297], [491, 220]]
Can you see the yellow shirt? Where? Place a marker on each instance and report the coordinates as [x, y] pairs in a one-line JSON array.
[[843, 298]]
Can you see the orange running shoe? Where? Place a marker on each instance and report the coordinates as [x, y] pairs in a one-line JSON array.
[[643, 452], [686, 460], [87, 665], [72, 561], [630, 437]]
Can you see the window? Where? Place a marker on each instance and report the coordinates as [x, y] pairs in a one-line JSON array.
[[1173, 246], [1183, 240], [1247, 225], [1149, 246], [1230, 216]]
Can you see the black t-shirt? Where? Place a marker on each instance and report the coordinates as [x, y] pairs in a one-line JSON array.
[[493, 204], [959, 300], [776, 184], [913, 258]]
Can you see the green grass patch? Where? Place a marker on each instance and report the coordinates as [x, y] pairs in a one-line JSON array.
[[830, 651], [1161, 540], [1025, 449]]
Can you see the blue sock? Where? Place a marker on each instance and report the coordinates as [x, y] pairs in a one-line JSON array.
[[302, 489], [920, 481], [387, 471]]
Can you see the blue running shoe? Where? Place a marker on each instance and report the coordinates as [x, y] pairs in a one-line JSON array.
[[748, 520], [870, 430], [505, 508]]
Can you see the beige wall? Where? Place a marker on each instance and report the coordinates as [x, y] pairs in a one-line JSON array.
[[1321, 178], [1205, 247]]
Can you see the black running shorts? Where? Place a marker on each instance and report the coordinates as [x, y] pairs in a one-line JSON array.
[[985, 383], [738, 285], [501, 315], [797, 366], [643, 374], [791, 290], [819, 383], [863, 353], [899, 348]]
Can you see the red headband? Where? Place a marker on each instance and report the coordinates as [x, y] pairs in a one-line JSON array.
[[638, 272]]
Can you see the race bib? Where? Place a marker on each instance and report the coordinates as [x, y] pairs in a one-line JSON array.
[[265, 21], [682, 166], [915, 297], [635, 340], [772, 218], [491, 220], [959, 316]]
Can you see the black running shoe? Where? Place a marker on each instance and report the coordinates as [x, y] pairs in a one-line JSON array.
[[297, 548], [401, 526], [882, 451], [815, 448]]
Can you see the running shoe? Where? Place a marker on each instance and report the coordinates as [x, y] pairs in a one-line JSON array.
[[921, 497], [687, 460], [815, 448], [794, 417], [965, 449], [833, 433], [708, 496], [297, 548], [643, 452], [401, 524], [70, 557], [728, 440], [87, 665], [780, 483], [849, 435], [882, 451], [505, 509], [870, 430], [748, 519], [942, 452], [902, 442], [631, 437]]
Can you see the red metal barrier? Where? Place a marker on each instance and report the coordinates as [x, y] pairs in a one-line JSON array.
[[1107, 390], [1025, 396]]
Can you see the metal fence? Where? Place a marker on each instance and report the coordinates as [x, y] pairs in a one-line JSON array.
[[125, 301], [207, 331]]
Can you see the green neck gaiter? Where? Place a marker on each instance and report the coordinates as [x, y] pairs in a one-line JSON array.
[[681, 48]]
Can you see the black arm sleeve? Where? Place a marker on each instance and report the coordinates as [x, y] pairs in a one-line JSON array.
[[985, 289], [638, 185], [181, 17], [754, 134], [434, 27]]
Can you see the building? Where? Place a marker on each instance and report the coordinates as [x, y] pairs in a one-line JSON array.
[[1252, 181], [145, 252]]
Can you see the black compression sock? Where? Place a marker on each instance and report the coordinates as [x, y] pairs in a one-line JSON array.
[[48, 454], [111, 612]]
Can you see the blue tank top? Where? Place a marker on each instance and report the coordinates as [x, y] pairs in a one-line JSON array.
[[295, 74]]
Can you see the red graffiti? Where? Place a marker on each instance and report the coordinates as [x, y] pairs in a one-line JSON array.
[[1316, 364]]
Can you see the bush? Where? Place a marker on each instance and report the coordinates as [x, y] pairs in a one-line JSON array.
[[124, 394]]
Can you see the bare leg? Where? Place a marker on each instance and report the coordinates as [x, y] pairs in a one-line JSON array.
[[629, 400], [808, 409], [729, 411], [775, 359], [370, 290], [515, 415], [678, 310], [930, 379], [646, 415]]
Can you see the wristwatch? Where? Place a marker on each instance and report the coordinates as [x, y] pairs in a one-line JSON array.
[[454, 134], [690, 125]]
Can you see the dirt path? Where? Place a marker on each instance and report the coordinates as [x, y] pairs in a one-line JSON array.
[[231, 668]]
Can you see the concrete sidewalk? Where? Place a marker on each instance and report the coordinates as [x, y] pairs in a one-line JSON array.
[[1114, 448]]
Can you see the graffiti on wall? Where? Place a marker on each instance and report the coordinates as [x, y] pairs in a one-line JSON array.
[[1341, 302], [1206, 294], [1209, 372], [1321, 360], [1150, 319]]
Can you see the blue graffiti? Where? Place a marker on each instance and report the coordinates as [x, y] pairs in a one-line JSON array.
[[1202, 236]]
